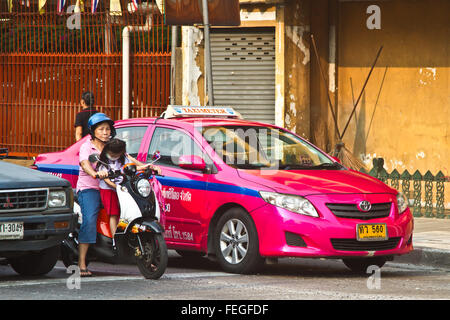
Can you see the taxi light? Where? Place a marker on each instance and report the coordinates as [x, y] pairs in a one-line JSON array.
[[200, 111]]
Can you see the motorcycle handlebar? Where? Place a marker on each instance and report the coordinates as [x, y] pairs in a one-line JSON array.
[[115, 174]]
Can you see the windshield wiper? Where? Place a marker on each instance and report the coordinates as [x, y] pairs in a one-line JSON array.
[[294, 167], [327, 165], [332, 165]]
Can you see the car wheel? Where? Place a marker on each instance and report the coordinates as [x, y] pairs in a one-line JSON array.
[[360, 265], [36, 263], [236, 242]]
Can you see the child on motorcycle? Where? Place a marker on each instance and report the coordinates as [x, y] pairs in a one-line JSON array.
[[114, 154]]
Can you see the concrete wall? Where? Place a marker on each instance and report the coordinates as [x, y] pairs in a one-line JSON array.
[[403, 115], [297, 63], [406, 118]]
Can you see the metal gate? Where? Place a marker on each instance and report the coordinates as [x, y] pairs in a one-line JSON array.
[[243, 67], [48, 60]]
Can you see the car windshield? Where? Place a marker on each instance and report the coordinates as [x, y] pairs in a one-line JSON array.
[[258, 147]]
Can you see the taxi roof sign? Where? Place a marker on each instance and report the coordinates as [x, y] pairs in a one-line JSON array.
[[173, 111]]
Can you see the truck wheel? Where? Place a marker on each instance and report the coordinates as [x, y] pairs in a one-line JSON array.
[[236, 242], [35, 263]]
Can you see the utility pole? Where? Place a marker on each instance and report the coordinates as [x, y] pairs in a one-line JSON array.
[[173, 64], [208, 68]]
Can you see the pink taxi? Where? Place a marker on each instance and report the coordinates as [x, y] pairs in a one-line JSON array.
[[243, 192]]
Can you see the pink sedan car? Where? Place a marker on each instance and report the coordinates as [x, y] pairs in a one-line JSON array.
[[243, 191]]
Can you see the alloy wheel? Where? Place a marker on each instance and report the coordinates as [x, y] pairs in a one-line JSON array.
[[234, 241]]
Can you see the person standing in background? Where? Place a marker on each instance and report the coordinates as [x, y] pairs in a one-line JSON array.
[[82, 117]]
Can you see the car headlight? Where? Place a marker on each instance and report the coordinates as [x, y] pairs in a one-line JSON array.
[[402, 202], [289, 202], [143, 187], [57, 198]]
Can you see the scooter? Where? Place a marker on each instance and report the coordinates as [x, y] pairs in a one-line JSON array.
[[140, 232]]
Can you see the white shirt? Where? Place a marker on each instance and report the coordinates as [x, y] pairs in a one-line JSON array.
[[115, 165]]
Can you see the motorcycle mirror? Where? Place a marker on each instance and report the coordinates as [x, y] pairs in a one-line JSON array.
[[156, 156], [94, 157]]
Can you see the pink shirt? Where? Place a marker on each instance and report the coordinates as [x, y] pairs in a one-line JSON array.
[[85, 181]]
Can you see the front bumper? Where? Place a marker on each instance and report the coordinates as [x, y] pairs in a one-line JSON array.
[[286, 234], [40, 232]]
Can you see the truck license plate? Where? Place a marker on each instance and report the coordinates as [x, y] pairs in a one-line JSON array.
[[371, 232], [11, 230]]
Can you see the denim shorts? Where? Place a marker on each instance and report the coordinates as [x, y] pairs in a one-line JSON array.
[[90, 204]]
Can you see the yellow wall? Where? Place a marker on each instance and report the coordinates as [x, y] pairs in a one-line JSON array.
[[410, 128]]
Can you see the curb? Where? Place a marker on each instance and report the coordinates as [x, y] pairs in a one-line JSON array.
[[426, 256]]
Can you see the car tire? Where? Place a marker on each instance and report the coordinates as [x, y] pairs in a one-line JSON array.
[[360, 265], [36, 263], [236, 242]]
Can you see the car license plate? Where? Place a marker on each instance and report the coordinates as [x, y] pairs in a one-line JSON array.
[[371, 232], [11, 230]]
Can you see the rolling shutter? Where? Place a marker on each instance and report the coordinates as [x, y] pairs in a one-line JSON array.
[[243, 67]]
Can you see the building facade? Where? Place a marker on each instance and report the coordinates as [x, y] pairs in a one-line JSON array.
[[268, 69]]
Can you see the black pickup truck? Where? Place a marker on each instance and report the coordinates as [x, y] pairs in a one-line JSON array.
[[36, 214]]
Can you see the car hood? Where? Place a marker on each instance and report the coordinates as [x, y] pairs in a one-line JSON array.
[[13, 176], [311, 182]]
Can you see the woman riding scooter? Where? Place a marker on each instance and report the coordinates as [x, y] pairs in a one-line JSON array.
[[139, 236], [101, 129]]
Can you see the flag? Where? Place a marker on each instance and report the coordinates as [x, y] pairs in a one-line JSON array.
[[41, 6], [135, 4], [114, 7], [160, 5], [27, 2], [79, 6], [94, 4], [60, 5]]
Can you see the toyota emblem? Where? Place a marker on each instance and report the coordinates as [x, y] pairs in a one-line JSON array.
[[364, 206]]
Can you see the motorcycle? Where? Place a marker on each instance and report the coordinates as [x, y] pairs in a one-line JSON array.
[[140, 232]]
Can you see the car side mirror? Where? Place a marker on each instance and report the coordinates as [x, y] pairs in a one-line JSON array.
[[192, 162]]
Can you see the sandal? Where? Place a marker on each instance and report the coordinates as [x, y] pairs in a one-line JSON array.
[[85, 273]]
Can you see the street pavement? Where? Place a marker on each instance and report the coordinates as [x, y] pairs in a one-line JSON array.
[[431, 240]]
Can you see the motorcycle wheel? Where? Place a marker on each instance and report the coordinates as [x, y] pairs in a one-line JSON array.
[[153, 263]]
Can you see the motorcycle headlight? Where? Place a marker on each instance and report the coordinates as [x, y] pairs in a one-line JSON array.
[[402, 202], [289, 202], [56, 198], [143, 187]]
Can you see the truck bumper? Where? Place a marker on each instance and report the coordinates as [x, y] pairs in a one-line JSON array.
[[41, 231]]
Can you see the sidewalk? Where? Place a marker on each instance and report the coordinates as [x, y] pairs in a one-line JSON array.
[[431, 240]]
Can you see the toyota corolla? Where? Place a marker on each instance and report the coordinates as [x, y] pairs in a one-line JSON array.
[[243, 192]]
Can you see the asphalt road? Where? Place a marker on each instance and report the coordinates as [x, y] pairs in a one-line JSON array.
[[290, 279]]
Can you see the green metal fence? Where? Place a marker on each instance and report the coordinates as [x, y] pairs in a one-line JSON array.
[[426, 192]]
